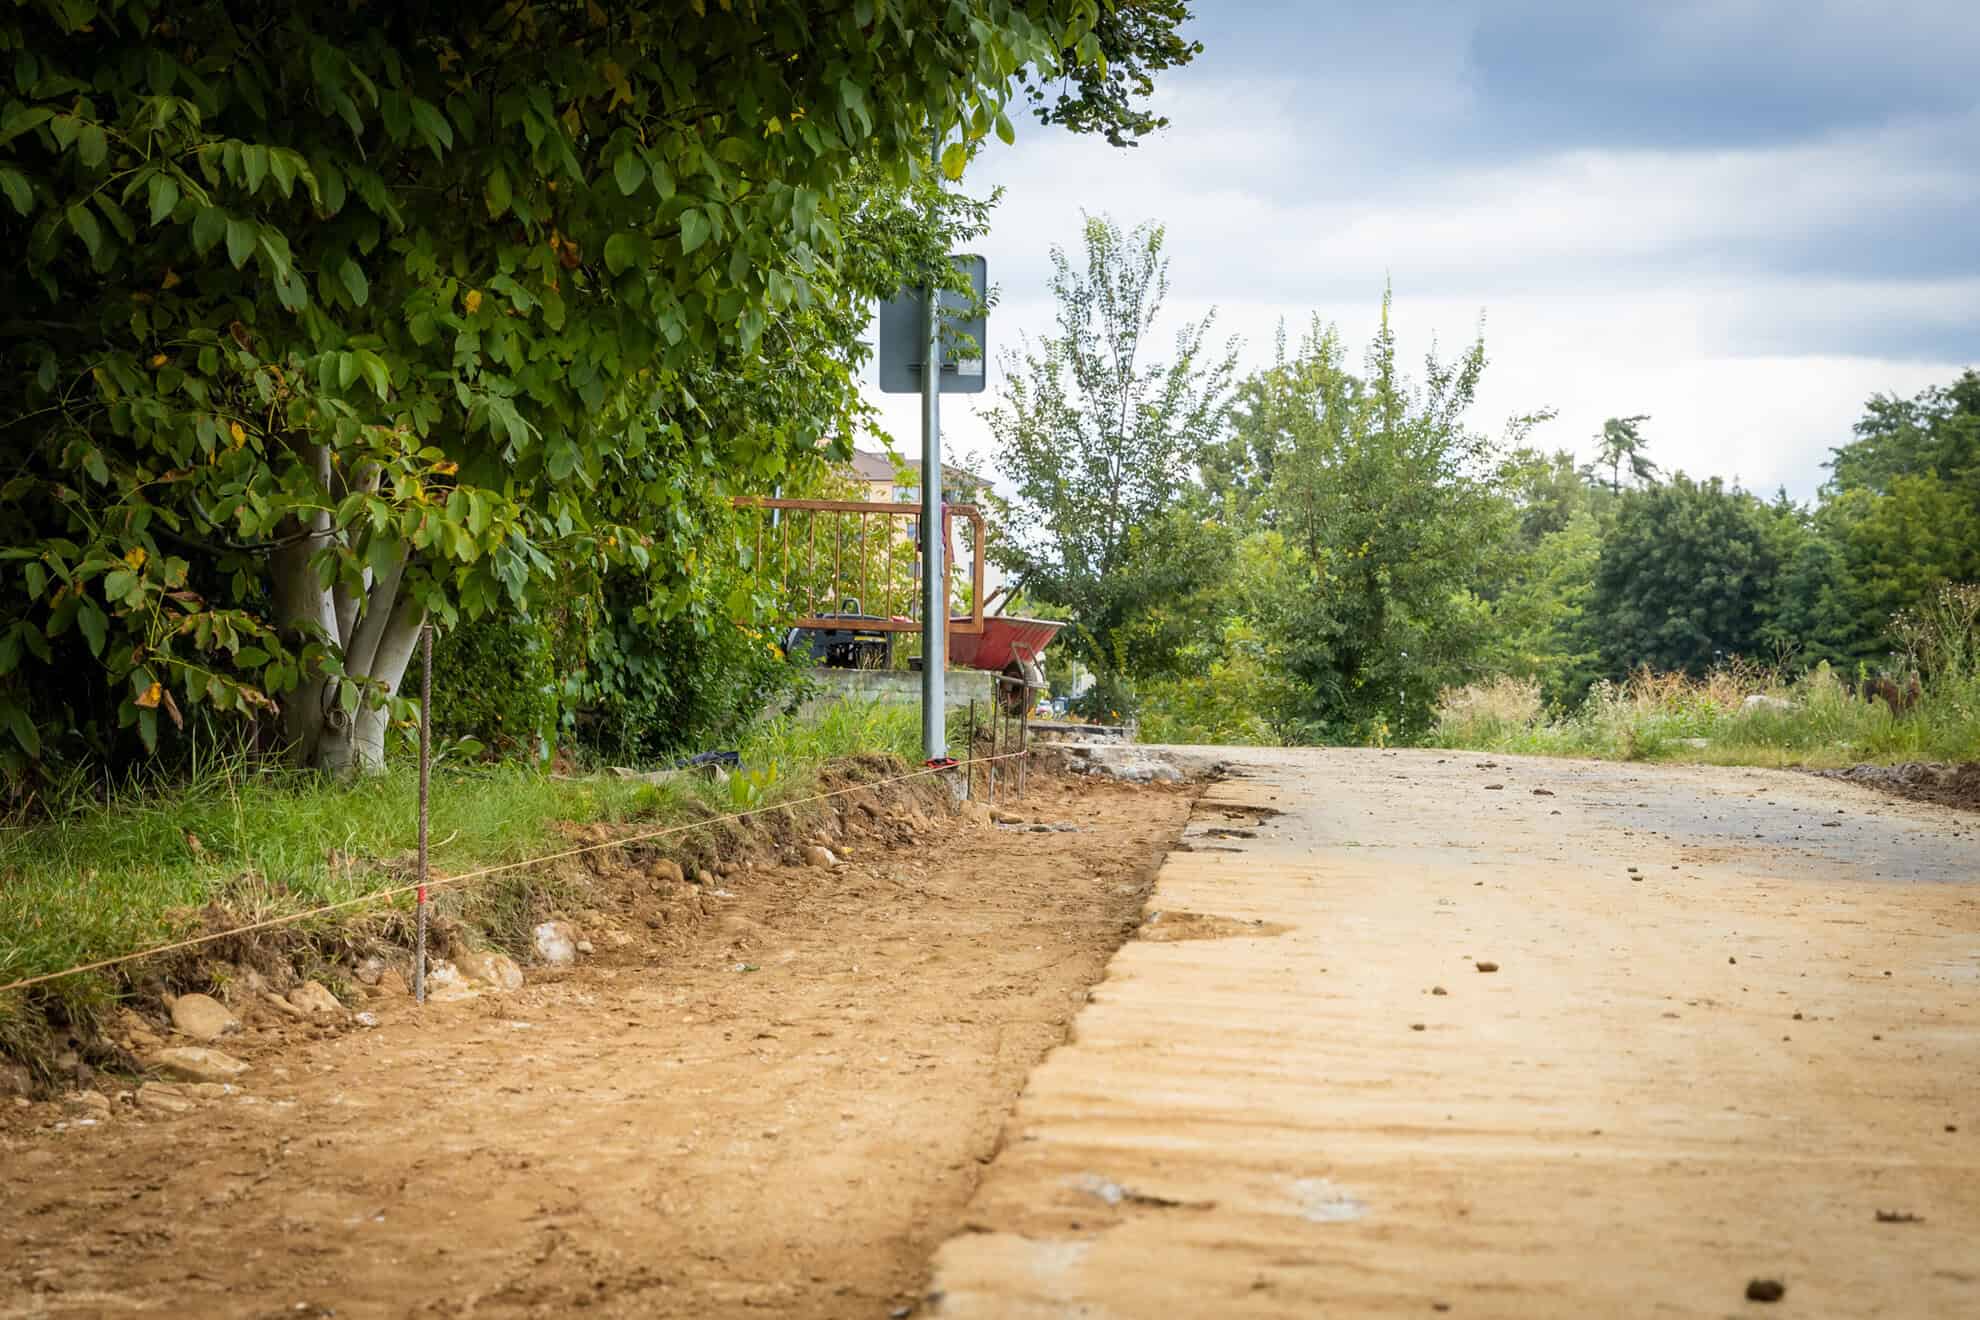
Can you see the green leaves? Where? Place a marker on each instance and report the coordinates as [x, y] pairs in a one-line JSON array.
[[630, 171], [621, 253], [241, 236], [695, 229]]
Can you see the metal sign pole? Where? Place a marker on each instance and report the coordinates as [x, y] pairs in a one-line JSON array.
[[934, 596]]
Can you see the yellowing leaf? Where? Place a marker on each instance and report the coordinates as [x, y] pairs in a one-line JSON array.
[[472, 301], [135, 558], [158, 360], [447, 467], [151, 695], [238, 432], [171, 279]]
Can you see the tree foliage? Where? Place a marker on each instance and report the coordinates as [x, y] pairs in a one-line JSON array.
[[336, 318], [1101, 440]]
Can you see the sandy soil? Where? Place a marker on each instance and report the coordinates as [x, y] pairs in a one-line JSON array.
[[779, 1111]]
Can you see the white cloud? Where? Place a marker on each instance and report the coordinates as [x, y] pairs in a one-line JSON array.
[[1720, 291]]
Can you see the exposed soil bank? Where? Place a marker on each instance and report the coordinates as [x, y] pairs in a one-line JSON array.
[[1949, 785], [774, 1098]]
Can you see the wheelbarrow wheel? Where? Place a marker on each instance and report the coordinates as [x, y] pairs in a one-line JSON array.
[[1016, 697]]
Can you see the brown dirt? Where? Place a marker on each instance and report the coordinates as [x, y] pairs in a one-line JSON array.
[[775, 1097], [1949, 785]]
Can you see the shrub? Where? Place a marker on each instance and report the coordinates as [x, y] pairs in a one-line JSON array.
[[495, 681]]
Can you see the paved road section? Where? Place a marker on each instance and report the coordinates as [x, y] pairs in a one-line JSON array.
[[1304, 1091]]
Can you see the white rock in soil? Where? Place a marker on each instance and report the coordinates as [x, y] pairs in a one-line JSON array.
[[369, 970], [444, 982], [203, 1017], [490, 968], [556, 943], [196, 1063], [584, 946], [819, 855], [315, 997], [92, 1102]]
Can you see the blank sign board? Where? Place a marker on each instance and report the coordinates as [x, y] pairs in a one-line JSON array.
[[963, 340]]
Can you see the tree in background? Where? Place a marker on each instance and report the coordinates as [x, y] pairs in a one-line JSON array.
[[1101, 440], [334, 320], [1390, 509], [1621, 444], [1686, 577]]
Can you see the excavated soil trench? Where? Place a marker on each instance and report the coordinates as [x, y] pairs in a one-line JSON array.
[[780, 1107]]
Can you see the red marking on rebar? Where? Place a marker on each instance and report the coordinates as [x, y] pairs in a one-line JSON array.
[[422, 894]]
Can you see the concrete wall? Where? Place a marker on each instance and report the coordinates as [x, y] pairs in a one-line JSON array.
[[895, 688]]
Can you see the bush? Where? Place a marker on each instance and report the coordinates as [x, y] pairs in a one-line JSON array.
[[650, 690], [495, 681]]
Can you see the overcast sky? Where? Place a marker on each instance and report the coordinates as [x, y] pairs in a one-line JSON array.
[[1741, 218]]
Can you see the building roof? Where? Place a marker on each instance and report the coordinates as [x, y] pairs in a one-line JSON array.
[[869, 466]]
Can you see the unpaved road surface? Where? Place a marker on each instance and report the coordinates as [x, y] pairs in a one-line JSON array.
[[781, 1115], [1716, 1069], [1300, 1093]]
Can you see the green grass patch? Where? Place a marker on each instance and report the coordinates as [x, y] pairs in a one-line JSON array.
[[241, 842]]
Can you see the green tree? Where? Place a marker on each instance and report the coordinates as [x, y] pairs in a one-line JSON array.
[[1686, 577], [1621, 444], [335, 319], [1392, 514], [1101, 441]]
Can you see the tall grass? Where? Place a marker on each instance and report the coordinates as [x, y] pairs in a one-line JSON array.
[[1812, 720]]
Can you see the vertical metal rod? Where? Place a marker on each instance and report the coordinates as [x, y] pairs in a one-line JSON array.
[[969, 755], [864, 603], [935, 606], [1024, 735], [425, 777]]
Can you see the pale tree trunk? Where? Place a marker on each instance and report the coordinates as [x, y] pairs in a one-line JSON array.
[[376, 630]]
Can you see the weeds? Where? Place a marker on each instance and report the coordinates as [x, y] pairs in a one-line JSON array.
[[243, 840], [1812, 720]]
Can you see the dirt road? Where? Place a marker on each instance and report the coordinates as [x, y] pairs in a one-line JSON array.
[[1416, 1033], [1716, 1068], [782, 1115]]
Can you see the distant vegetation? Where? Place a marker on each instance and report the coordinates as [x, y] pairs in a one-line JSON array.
[[1320, 554]]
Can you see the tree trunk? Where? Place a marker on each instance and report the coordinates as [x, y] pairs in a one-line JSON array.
[[375, 631]]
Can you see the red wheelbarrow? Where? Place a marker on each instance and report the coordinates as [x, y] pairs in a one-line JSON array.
[[1010, 646]]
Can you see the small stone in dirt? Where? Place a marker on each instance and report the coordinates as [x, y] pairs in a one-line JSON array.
[[315, 997], [1765, 1290], [1543, 792], [1632, 870], [282, 1006], [705, 877], [1952, 1127], [1493, 788], [1438, 990], [584, 946], [664, 871], [819, 855], [1899, 1217], [1731, 959], [203, 1017], [369, 970], [164, 1097], [1417, 1026], [95, 1102], [556, 943], [391, 983], [491, 968], [1003, 817], [1487, 966], [196, 1063], [725, 869], [1042, 829]]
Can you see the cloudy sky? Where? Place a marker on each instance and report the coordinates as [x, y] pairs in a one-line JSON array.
[[1741, 217]]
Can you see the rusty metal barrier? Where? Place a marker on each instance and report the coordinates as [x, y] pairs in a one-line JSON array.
[[869, 555]]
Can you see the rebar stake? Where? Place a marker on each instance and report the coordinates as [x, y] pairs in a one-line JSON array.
[[425, 775]]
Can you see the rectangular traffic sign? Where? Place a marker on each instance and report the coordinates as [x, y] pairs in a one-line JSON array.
[[964, 340]]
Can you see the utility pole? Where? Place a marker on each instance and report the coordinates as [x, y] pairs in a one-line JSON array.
[[934, 581]]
